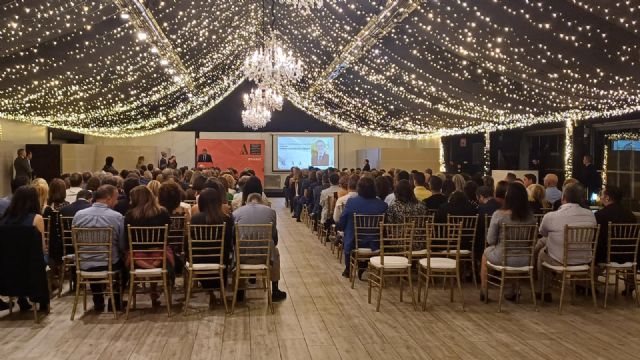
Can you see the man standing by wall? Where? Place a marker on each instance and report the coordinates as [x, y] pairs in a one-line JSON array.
[[21, 165]]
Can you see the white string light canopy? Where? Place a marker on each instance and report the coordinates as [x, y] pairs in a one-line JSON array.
[[427, 68]]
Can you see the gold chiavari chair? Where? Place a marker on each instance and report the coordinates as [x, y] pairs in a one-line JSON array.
[[366, 232], [517, 243], [546, 210], [93, 245], [579, 243], [622, 251], [324, 232], [468, 242], [148, 245], [47, 232], [253, 258], [538, 218], [443, 240], [304, 216], [419, 238], [177, 234], [68, 255], [205, 259], [394, 259]]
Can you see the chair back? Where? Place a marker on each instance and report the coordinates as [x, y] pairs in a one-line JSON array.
[[47, 232], [331, 205], [206, 244], [92, 245], [395, 240], [487, 222], [622, 243], [253, 243], [432, 212], [538, 218], [469, 229], [419, 238], [148, 244], [66, 224], [580, 244], [367, 230], [517, 242], [177, 233], [444, 240], [546, 210]]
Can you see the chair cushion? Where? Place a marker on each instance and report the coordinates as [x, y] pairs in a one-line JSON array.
[[367, 251], [614, 264], [143, 272], [69, 257], [204, 266], [253, 267], [419, 252], [438, 263], [510, 268], [453, 252], [94, 274], [559, 268], [390, 262]]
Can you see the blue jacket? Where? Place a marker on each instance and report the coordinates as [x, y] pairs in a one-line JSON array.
[[361, 206]]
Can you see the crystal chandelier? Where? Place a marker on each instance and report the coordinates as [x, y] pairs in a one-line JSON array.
[[304, 5], [272, 66], [265, 98], [255, 117]]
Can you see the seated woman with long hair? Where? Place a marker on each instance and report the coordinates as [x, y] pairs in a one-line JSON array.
[[210, 204], [406, 204], [536, 198], [146, 211], [515, 210], [24, 210]]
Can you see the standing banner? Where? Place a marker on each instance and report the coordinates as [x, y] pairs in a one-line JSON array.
[[225, 153]]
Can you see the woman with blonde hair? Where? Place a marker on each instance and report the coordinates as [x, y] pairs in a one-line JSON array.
[[43, 191], [537, 198], [154, 186], [459, 181]]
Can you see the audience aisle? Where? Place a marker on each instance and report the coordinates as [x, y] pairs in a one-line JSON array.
[[323, 318]]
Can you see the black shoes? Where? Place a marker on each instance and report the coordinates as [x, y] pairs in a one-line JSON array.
[[24, 304], [360, 272], [3, 305], [345, 274], [278, 295]]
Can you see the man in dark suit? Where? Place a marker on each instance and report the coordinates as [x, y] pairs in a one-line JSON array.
[[204, 157], [83, 201], [21, 165], [366, 166], [612, 212], [436, 199], [319, 156], [162, 164], [590, 178]]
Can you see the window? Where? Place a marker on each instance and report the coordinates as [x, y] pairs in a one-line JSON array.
[[623, 170]]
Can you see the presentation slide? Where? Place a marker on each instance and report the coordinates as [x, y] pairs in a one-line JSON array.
[[304, 151], [628, 145]]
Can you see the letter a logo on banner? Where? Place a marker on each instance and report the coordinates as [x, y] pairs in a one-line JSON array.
[[244, 150]]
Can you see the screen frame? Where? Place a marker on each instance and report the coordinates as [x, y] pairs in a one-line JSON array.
[[336, 146]]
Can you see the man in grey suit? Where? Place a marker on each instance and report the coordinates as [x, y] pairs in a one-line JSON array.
[[21, 165]]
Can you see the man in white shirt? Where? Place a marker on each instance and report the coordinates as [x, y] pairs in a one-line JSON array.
[[550, 248], [334, 179], [75, 182], [552, 194], [342, 201]]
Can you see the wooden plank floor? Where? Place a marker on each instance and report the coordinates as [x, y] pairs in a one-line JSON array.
[[323, 318]]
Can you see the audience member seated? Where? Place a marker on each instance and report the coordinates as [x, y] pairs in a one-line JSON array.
[[154, 186], [500, 192], [93, 183], [253, 212], [529, 179], [420, 190], [458, 182], [515, 211], [15, 184], [42, 187], [569, 181], [383, 188], [458, 205], [331, 191], [210, 204], [170, 196], [24, 209], [101, 215], [406, 204], [552, 194], [488, 182], [145, 211], [537, 199], [344, 185], [615, 213], [400, 175], [75, 182], [550, 248], [316, 193], [437, 198], [254, 186], [365, 203], [83, 201], [470, 190], [123, 201], [352, 186]]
